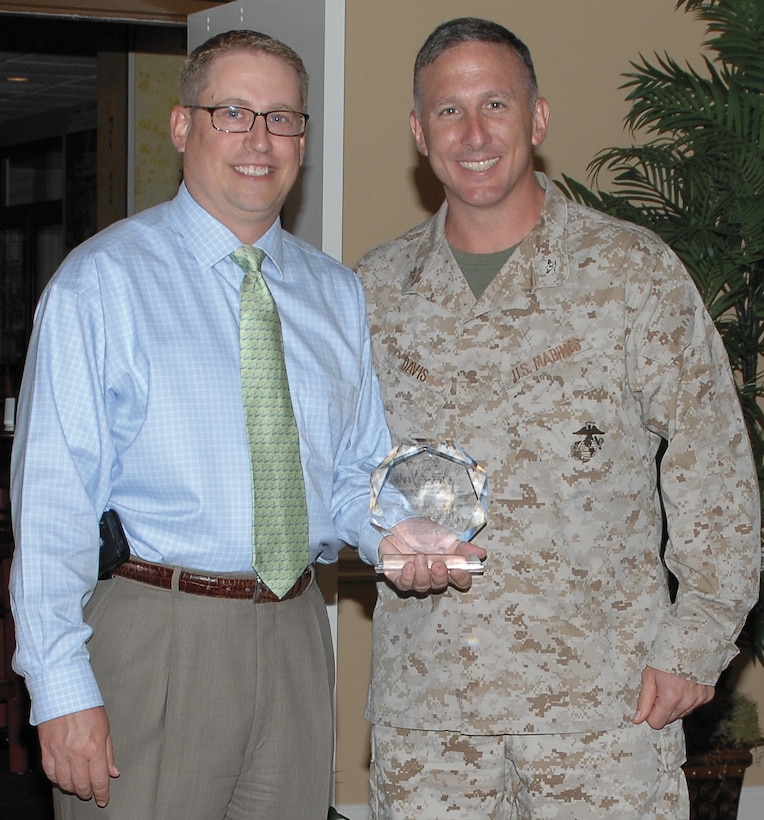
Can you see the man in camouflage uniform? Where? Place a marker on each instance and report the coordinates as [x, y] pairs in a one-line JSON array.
[[562, 349]]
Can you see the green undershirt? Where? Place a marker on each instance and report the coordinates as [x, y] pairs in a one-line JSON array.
[[480, 269]]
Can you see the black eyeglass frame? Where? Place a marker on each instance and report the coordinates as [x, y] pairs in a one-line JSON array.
[[211, 109]]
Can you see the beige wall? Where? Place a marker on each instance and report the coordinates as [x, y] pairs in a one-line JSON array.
[[580, 49]]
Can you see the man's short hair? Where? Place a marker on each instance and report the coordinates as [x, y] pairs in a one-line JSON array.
[[195, 69], [471, 29]]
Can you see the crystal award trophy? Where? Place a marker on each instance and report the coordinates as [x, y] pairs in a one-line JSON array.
[[435, 480]]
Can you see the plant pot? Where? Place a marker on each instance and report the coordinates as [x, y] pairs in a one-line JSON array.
[[714, 781]]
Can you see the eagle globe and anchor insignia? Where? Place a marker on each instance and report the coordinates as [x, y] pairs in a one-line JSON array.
[[589, 444]]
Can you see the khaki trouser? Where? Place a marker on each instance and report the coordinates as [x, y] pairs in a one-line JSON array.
[[632, 773], [218, 708]]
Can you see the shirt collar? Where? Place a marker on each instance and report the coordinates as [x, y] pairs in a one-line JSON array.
[[210, 241]]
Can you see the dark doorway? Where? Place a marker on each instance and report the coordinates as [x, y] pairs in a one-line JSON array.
[[63, 151]]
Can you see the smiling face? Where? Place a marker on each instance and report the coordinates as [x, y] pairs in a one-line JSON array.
[[477, 124], [241, 179]]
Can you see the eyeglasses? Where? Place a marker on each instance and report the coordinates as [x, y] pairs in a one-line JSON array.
[[233, 119]]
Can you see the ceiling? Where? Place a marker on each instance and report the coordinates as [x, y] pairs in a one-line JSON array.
[[57, 55], [53, 81]]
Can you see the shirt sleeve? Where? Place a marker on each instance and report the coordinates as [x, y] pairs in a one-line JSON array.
[[60, 476], [681, 376], [366, 444]]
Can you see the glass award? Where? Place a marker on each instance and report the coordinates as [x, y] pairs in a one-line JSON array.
[[434, 480]]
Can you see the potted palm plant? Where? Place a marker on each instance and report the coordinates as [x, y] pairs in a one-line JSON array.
[[720, 736], [698, 182]]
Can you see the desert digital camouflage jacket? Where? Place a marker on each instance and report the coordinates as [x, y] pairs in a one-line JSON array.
[[589, 348]]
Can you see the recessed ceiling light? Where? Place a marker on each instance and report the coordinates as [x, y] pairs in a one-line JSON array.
[[17, 79]]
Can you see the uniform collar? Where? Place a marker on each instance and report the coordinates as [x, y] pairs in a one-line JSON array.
[[540, 261]]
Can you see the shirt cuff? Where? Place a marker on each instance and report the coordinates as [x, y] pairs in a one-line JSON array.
[[368, 545], [62, 692]]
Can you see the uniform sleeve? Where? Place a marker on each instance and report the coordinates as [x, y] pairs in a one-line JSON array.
[[680, 374]]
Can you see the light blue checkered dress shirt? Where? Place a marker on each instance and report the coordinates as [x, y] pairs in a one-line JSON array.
[[131, 399]]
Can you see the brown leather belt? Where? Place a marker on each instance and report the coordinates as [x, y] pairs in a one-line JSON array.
[[213, 586]]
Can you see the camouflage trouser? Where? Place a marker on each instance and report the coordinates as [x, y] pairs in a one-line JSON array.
[[632, 773]]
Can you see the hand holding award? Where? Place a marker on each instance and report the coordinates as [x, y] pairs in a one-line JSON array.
[[434, 497]]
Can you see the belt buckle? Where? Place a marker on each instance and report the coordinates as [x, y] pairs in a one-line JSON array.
[[263, 592]]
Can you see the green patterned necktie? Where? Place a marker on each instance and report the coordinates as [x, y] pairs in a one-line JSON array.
[[279, 510]]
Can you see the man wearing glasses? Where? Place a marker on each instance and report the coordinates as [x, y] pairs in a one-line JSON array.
[[198, 683]]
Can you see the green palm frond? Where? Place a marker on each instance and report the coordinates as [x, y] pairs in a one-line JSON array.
[[738, 34], [669, 98]]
